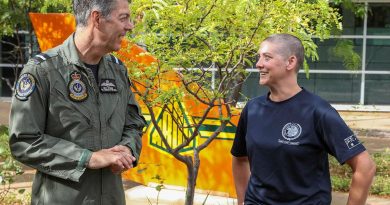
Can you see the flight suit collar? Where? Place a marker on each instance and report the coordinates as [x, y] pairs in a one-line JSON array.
[[70, 52], [72, 55]]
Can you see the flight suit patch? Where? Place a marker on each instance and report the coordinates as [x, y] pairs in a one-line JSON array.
[[77, 88], [108, 86], [25, 86]]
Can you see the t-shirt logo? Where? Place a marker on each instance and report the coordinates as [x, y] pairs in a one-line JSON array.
[[351, 141], [291, 131]]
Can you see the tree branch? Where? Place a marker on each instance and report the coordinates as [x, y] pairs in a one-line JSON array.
[[174, 152], [9, 84], [198, 124]]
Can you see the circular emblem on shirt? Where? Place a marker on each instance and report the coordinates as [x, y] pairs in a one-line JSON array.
[[291, 131], [25, 86], [77, 89]]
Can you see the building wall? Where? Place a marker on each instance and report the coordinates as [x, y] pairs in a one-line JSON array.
[[330, 78], [12, 58]]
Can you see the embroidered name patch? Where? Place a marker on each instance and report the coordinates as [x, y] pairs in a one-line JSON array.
[[108, 86], [351, 141], [25, 86], [77, 89]]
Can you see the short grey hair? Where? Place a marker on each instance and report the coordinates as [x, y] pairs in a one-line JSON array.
[[83, 8], [289, 45]]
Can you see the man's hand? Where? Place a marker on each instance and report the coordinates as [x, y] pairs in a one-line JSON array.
[[118, 158], [125, 150], [122, 148]]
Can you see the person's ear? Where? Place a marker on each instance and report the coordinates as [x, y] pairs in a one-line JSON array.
[[292, 63], [95, 18]]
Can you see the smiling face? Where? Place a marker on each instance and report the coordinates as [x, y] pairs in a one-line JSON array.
[[272, 64], [114, 27]]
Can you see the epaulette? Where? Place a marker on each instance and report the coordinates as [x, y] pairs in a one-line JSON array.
[[41, 57], [115, 60]]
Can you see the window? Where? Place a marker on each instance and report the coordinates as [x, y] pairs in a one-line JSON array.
[[330, 77], [12, 59], [378, 19], [336, 88], [377, 90], [377, 54], [327, 52], [352, 25]]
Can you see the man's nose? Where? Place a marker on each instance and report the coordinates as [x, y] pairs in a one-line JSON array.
[[130, 25]]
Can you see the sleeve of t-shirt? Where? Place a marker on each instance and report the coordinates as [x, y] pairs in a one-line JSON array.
[[239, 143], [339, 139]]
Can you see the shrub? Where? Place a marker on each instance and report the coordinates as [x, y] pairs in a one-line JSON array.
[[9, 169], [341, 175]]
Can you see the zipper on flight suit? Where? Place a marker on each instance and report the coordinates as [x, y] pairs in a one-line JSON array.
[[95, 88]]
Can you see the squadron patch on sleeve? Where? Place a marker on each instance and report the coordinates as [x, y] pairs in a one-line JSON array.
[[77, 88], [108, 86], [25, 86]]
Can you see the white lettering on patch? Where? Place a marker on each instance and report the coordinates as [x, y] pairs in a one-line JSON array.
[[288, 142]]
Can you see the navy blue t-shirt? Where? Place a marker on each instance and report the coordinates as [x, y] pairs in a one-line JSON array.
[[287, 144]]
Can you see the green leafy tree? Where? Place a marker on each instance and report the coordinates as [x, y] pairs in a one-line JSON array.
[[195, 38], [14, 13], [14, 20]]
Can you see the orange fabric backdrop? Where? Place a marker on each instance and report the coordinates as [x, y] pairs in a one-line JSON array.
[[215, 170]]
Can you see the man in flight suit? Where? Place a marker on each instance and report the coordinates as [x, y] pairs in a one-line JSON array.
[[73, 116]]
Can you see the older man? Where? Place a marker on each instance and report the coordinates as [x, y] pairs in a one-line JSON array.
[[73, 117]]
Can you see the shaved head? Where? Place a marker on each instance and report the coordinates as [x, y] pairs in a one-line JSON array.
[[288, 45]]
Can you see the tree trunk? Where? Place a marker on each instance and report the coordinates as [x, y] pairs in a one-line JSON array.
[[192, 169], [190, 192], [233, 98]]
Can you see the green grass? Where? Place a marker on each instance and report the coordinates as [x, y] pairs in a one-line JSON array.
[[341, 175]]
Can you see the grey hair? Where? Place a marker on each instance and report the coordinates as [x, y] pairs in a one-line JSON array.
[[83, 8], [289, 45]]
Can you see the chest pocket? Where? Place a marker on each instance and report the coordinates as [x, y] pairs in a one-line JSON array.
[[114, 107], [61, 95], [70, 120]]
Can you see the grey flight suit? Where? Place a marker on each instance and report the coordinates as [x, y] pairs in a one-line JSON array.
[[60, 115]]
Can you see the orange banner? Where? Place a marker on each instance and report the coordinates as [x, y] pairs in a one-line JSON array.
[[155, 163]]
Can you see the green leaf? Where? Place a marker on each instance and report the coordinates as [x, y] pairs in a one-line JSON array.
[[2, 150], [140, 171], [159, 187]]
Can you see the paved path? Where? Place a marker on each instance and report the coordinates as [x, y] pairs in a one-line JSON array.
[[379, 121], [341, 199], [4, 111]]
